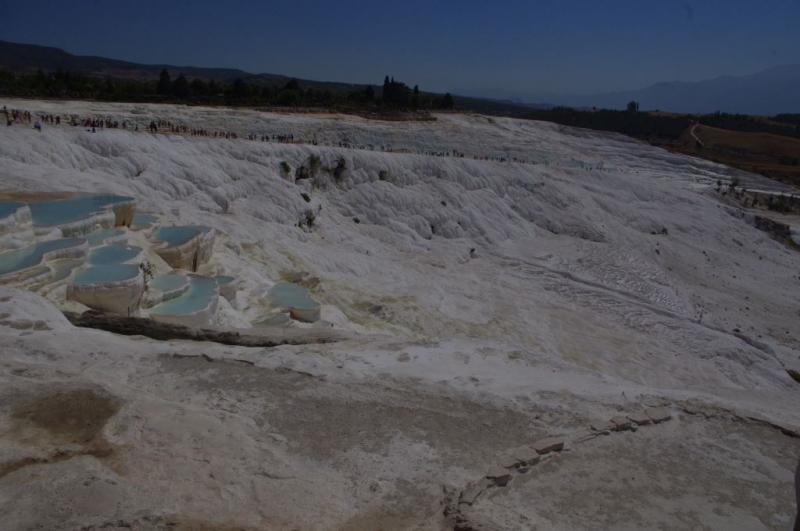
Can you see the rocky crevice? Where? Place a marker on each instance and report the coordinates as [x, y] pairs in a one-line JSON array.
[[457, 507]]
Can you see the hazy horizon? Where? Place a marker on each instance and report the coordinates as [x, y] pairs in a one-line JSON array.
[[527, 47]]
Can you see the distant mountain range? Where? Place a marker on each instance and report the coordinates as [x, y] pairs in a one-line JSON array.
[[28, 58], [772, 91]]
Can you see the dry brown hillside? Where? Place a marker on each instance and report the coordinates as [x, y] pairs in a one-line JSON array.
[[774, 156]]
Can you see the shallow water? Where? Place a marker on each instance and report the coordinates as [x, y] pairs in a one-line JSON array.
[[113, 254], [201, 292], [6, 209], [141, 217], [99, 236], [143, 221], [288, 295], [78, 207], [169, 282], [106, 273], [32, 255], [63, 268], [174, 236]]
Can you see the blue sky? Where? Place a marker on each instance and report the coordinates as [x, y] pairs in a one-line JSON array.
[[528, 46]]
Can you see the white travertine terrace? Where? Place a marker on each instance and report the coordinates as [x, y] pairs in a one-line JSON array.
[[114, 288], [227, 287], [197, 307], [35, 268], [190, 253], [490, 304], [16, 227], [165, 287]]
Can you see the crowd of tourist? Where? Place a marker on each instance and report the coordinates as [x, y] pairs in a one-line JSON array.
[[164, 126], [16, 116]]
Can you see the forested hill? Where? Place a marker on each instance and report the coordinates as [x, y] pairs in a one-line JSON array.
[[29, 58], [90, 77]]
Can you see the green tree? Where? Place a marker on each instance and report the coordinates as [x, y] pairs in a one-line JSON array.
[[180, 88], [396, 94], [199, 88], [447, 102], [291, 95], [108, 89], [164, 84], [269, 95], [239, 90], [633, 107]]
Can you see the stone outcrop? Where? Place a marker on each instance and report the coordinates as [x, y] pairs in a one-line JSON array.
[[471, 494], [526, 456], [639, 418], [621, 423], [499, 475], [603, 426], [551, 444], [658, 414]]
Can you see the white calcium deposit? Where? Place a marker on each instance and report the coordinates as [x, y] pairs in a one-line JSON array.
[[491, 304]]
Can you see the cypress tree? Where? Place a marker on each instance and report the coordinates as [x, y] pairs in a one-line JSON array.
[[164, 84]]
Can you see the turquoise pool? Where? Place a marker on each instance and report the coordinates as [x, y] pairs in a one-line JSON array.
[[143, 221], [201, 293], [174, 236], [63, 268], [6, 209], [106, 273], [168, 283], [31, 256], [76, 208], [288, 295], [99, 236], [113, 254]]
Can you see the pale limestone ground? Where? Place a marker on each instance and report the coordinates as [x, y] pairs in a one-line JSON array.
[[296, 442], [687, 474], [570, 311]]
